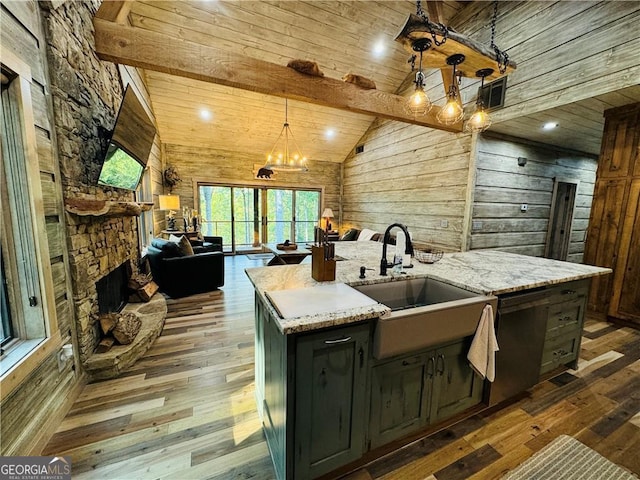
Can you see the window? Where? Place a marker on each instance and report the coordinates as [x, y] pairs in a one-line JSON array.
[[6, 331], [28, 324], [247, 216], [145, 220]]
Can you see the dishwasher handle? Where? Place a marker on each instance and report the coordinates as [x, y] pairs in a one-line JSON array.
[[523, 301]]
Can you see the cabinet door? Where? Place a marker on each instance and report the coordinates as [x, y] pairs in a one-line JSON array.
[[274, 405], [260, 319], [456, 386], [400, 397], [330, 392]]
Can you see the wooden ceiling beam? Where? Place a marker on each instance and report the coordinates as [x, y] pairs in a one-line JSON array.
[[166, 54], [115, 11]]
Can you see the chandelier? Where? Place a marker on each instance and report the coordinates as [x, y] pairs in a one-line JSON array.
[[444, 48], [282, 157]]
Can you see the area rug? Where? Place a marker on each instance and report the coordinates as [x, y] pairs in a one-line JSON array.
[[567, 459], [259, 256]]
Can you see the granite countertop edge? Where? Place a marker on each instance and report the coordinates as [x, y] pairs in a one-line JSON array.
[[448, 271]]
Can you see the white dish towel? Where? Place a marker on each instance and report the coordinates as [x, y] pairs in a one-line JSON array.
[[482, 354]]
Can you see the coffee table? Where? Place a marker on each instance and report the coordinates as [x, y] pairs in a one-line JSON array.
[[286, 257]]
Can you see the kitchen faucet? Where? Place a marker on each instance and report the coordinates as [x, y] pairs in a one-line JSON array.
[[408, 249]]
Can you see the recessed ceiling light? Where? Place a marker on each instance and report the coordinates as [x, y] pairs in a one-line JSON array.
[[329, 133], [205, 114], [549, 125], [379, 49]]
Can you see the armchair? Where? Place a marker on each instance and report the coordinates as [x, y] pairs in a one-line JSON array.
[[180, 276], [209, 244]]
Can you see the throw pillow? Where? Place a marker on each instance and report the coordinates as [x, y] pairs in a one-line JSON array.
[[350, 234], [366, 234], [175, 238], [185, 247]]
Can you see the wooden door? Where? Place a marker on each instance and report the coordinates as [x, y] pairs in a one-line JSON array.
[[613, 238], [400, 397], [330, 399], [456, 386], [625, 301], [619, 142], [562, 206], [602, 239]]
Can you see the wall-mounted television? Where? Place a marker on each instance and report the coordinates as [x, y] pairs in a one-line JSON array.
[[129, 146]]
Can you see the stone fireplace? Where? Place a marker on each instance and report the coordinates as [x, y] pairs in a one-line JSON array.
[[86, 93], [104, 250]]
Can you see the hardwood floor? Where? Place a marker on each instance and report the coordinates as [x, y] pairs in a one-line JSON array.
[[186, 410]]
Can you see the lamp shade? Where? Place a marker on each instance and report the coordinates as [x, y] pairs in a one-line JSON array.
[[327, 213], [169, 202]]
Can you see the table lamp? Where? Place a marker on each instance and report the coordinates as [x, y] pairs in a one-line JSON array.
[[327, 213], [171, 203]]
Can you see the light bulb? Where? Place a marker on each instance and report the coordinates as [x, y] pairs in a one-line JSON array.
[[479, 121], [451, 113], [418, 103]]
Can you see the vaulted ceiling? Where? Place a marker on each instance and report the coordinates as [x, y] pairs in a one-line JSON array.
[[342, 37]]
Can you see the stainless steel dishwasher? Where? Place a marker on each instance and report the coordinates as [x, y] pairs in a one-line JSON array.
[[521, 328]]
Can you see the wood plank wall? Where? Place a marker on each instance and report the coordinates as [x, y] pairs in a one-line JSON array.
[[209, 165], [412, 175], [565, 51], [36, 406], [560, 49], [502, 186]]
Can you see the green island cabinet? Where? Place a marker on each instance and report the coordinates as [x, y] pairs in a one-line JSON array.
[[413, 391], [324, 401]]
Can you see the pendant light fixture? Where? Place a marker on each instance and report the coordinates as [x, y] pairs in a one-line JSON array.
[[452, 112], [418, 103], [282, 157], [480, 119]]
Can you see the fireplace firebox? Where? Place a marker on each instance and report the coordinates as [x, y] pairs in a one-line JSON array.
[[112, 289]]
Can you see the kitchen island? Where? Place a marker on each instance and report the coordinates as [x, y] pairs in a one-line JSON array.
[[326, 400]]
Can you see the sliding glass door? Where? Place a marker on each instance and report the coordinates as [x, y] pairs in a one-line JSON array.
[[216, 213], [246, 218], [279, 219], [307, 208], [236, 214]]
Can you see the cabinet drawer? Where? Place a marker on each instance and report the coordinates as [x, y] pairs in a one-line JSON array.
[[560, 351], [565, 317], [569, 291]]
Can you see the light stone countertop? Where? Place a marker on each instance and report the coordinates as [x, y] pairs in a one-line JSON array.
[[488, 272]]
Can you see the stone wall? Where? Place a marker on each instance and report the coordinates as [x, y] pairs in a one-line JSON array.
[[86, 95]]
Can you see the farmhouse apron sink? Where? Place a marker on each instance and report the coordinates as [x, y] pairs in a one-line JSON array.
[[424, 313]]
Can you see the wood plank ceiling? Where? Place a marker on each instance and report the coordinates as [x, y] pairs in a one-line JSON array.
[[342, 37]]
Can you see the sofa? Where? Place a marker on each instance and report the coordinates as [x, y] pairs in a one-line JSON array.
[[179, 274], [354, 234]]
